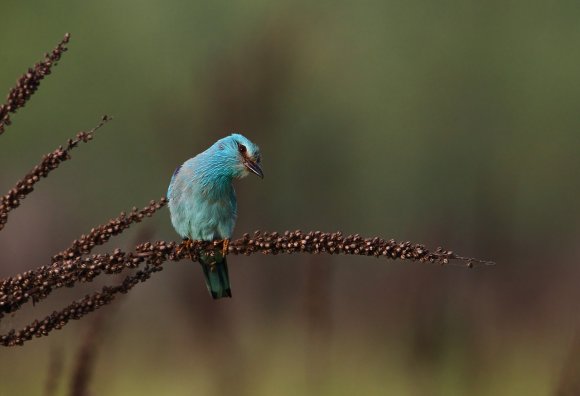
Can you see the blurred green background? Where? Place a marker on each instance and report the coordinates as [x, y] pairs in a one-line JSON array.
[[452, 123]]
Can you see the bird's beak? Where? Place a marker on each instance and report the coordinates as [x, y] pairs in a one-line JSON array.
[[254, 167]]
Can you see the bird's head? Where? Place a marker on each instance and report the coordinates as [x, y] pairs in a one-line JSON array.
[[240, 155]]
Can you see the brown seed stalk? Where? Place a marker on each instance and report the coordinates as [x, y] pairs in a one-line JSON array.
[[70, 267], [102, 233], [29, 82], [38, 284], [12, 199]]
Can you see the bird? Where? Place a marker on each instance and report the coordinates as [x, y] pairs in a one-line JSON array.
[[203, 204]]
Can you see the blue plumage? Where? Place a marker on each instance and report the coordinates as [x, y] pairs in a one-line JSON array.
[[202, 200]]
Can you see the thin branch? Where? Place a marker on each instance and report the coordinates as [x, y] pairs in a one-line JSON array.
[[155, 254], [29, 82], [49, 162], [38, 284], [86, 355], [102, 233], [69, 267], [55, 369], [79, 308]]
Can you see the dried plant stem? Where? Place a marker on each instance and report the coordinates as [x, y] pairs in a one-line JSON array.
[[69, 267], [76, 310], [49, 162], [28, 83], [102, 233], [155, 254], [55, 369]]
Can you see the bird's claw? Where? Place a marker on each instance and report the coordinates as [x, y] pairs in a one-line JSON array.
[[225, 244], [186, 245]]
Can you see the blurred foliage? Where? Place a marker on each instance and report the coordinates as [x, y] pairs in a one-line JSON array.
[[452, 123]]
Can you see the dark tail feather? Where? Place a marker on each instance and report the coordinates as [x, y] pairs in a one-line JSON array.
[[217, 280]]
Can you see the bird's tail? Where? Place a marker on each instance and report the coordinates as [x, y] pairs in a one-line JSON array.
[[215, 270]]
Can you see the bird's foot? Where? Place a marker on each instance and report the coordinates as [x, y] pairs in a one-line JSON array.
[[225, 244], [186, 245]]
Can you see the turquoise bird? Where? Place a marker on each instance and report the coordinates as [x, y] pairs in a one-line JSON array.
[[203, 205]]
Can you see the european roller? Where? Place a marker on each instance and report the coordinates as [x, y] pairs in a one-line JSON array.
[[203, 205]]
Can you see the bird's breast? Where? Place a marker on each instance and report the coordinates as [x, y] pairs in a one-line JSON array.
[[203, 213]]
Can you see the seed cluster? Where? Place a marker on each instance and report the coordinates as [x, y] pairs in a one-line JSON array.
[[335, 243], [50, 162], [37, 284], [154, 255], [69, 267], [76, 310], [28, 83], [101, 234]]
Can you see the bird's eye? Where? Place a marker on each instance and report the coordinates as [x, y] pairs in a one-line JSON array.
[[241, 148]]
